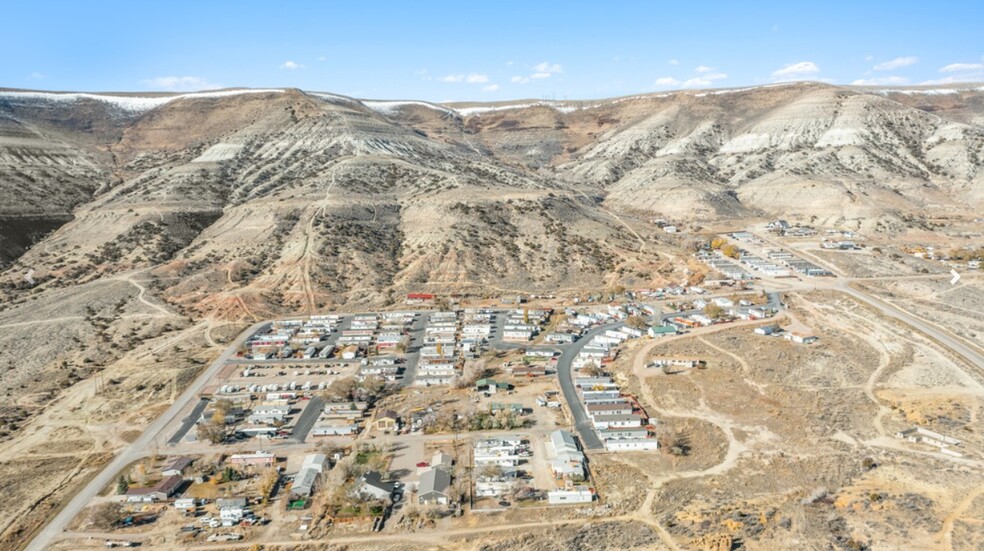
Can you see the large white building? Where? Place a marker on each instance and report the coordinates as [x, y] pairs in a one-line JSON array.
[[566, 459], [567, 496]]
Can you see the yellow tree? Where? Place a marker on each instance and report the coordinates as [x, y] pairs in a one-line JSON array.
[[142, 473], [713, 311], [267, 482]]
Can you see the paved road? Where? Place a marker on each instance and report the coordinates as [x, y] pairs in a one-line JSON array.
[[974, 357], [584, 426], [842, 284], [344, 324], [498, 326], [136, 449], [307, 419], [189, 422], [589, 438], [413, 348]]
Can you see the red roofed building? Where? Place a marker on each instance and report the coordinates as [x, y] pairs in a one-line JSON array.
[[417, 298]]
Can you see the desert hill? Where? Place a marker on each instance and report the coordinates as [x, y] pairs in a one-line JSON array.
[[140, 230], [289, 199]]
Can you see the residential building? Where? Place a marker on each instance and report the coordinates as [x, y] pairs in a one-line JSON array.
[[304, 482], [441, 460], [491, 385], [335, 430], [767, 330], [619, 408], [387, 421], [164, 489], [569, 496], [231, 510], [177, 466], [622, 433], [434, 487], [617, 421], [529, 371], [567, 460], [371, 486], [662, 331], [631, 444], [800, 338], [256, 459]]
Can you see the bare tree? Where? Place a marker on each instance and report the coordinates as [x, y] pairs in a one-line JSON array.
[[636, 322], [211, 432], [489, 470], [105, 515], [340, 390]]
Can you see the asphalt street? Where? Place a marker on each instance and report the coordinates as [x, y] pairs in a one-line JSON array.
[[589, 438], [307, 419], [189, 422], [138, 448]]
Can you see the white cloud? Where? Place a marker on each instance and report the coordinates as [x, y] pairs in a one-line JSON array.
[[703, 69], [667, 81], [673, 62], [960, 67], [322, 58], [540, 71], [976, 76], [290, 65], [509, 64], [956, 79], [549, 68], [470, 78], [960, 72], [869, 58], [796, 71], [881, 81], [179, 84], [896, 63], [490, 88], [703, 81], [36, 76]]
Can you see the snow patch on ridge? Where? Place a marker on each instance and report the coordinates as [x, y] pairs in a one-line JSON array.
[[133, 104], [390, 107], [560, 107], [928, 92], [332, 97]]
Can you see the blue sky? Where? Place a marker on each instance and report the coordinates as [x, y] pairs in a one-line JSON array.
[[485, 50]]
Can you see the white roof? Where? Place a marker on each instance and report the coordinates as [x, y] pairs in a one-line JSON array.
[[441, 459], [315, 460], [565, 447], [304, 481]]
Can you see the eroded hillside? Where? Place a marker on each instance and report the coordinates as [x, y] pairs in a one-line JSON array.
[[136, 228]]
